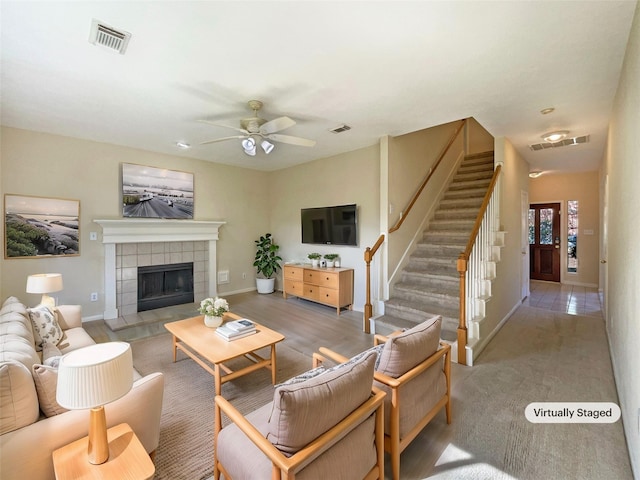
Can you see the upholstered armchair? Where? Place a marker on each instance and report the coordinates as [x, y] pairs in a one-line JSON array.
[[327, 423], [414, 369]]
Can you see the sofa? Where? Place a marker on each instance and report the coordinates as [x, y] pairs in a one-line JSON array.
[[32, 425]]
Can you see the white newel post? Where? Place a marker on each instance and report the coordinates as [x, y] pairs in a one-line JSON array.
[[143, 230]]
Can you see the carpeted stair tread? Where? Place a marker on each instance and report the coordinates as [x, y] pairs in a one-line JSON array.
[[429, 284], [387, 324], [414, 310]]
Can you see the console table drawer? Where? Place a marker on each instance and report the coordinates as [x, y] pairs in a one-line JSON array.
[[294, 288], [312, 292], [328, 296], [325, 279], [294, 273]]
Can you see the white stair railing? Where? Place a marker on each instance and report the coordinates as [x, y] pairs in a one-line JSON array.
[[476, 266]]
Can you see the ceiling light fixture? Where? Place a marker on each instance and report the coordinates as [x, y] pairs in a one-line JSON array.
[[535, 174], [267, 146], [546, 111], [555, 136], [183, 145], [249, 146]]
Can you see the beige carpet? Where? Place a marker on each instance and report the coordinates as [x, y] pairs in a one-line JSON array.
[[186, 428], [537, 356]]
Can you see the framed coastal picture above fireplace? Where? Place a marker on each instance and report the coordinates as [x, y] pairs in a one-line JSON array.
[[150, 192], [40, 227]]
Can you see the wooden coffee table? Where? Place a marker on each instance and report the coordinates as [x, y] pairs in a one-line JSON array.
[[205, 347]]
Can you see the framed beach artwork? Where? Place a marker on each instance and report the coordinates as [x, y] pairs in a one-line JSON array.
[[40, 227], [149, 192]]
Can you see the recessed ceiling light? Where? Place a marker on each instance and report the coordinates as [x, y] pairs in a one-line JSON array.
[[546, 111], [535, 174], [183, 145], [555, 136]]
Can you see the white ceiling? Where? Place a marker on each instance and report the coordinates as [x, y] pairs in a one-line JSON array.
[[383, 68]]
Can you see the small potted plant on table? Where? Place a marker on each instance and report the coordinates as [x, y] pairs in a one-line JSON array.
[[330, 258], [315, 258], [267, 263]]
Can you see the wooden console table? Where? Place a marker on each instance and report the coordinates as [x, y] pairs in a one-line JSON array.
[[329, 286]]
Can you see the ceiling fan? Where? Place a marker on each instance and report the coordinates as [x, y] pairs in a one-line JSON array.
[[265, 130]]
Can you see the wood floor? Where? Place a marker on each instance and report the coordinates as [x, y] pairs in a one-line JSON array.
[[306, 325]]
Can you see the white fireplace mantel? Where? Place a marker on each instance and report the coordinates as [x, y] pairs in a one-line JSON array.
[[141, 230]]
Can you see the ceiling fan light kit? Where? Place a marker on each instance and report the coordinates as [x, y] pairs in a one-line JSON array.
[[249, 145], [259, 127]]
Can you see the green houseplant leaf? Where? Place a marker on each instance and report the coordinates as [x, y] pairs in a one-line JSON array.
[[267, 261]]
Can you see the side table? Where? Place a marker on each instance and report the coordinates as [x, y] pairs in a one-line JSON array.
[[128, 460]]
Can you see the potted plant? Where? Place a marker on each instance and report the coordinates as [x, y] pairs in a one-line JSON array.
[[266, 263], [213, 310], [314, 257], [330, 258]]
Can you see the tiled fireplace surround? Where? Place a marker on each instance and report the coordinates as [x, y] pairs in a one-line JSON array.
[[130, 243], [130, 256]]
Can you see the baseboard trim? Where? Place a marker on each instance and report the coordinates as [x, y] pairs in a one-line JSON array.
[[480, 345]]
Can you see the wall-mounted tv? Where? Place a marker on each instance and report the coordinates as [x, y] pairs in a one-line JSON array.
[[330, 225]]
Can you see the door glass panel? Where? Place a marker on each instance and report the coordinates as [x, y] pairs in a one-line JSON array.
[[572, 236], [532, 226], [546, 226]]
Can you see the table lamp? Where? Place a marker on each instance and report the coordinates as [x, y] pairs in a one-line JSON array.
[[89, 378], [45, 283]]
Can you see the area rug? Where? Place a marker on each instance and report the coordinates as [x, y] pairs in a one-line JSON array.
[[187, 423]]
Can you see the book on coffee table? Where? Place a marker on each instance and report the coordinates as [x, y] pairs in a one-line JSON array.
[[229, 334], [241, 325]]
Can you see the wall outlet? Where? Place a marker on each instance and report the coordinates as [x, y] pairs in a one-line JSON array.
[[93, 235], [94, 297]]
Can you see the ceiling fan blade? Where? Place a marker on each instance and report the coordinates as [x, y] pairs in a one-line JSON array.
[[302, 142], [225, 126], [223, 139], [276, 125]]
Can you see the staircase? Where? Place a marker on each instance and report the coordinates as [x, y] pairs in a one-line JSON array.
[[430, 282]]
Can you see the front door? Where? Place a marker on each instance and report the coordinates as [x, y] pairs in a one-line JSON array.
[[544, 241]]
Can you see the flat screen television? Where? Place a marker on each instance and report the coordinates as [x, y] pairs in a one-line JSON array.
[[330, 225]]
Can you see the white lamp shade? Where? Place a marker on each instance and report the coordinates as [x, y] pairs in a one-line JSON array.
[[44, 283], [93, 376], [248, 143], [267, 146]]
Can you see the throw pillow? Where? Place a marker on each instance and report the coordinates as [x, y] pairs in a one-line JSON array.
[[303, 411], [406, 350], [18, 399], [46, 381], [303, 376], [51, 355], [45, 326]]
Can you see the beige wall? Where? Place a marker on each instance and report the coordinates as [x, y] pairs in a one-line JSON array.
[[352, 177], [582, 187], [622, 281], [409, 159], [53, 166], [478, 139], [506, 288]]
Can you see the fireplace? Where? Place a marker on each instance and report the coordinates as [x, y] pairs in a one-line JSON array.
[[164, 285], [177, 240]]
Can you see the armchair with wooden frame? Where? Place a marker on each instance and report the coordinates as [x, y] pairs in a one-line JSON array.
[[326, 423], [414, 369]]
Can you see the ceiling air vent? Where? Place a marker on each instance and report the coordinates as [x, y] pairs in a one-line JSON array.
[[340, 129], [562, 143], [109, 37]]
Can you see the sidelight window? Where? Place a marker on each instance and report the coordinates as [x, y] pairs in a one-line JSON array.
[[572, 236]]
